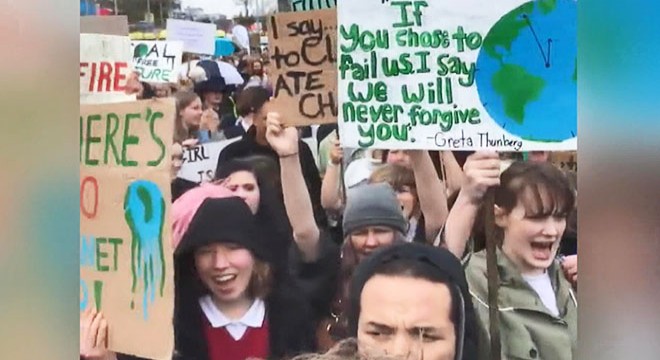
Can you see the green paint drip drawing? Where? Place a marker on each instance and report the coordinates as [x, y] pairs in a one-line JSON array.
[[98, 290]]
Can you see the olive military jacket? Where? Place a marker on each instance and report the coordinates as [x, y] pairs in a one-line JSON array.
[[527, 328]]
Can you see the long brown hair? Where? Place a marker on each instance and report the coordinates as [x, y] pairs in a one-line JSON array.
[[183, 100], [397, 176]]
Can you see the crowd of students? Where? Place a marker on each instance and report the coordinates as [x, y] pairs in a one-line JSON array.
[[369, 254]]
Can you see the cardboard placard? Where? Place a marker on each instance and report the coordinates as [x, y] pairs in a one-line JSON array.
[[126, 263], [157, 61], [565, 160], [197, 38], [309, 5], [105, 66], [303, 61], [458, 75], [108, 25], [199, 162]]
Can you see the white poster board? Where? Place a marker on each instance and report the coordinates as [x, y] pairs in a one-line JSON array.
[[105, 66], [199, 162], [197, 38], [157, 61], [458, 74]]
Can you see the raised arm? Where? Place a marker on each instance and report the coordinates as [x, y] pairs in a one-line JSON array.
[[296, 196], [330, 190], [453, 172], [431, 192], [482, 170]]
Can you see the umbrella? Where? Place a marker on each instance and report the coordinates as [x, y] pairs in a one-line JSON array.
[[224, 47]]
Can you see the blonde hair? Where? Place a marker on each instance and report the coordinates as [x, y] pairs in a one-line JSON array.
[[183, 100]]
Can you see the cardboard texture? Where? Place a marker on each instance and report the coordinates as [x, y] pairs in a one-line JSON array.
[[303, 66], [108, 25], [565, 160], [126, 264]]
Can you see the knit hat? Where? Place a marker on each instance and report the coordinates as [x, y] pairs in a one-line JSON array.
[[185, 207], [438, 263], [373, 205], [226, 220]]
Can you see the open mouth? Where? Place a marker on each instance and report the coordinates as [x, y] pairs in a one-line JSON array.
[[224, 279], [542, 250]]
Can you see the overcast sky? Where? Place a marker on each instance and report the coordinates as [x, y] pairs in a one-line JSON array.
[[226, 7]]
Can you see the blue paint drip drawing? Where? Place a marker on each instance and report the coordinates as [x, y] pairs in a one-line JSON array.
[[144, 210], [85, 295]]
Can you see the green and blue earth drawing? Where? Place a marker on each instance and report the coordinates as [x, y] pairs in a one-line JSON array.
[[527, 71]]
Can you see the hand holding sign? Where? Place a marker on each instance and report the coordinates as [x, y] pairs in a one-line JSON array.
[[482, 170], [93, 335], [283, 140]]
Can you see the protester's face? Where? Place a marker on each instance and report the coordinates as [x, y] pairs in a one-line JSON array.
[[225, 269], [406, 317], [399, 157], [531, 243], [177, 159], [369, 239], [244, 185], [407, 200], [192, 114], [539, 156], [213, 99], [162, 91], [257, 68]]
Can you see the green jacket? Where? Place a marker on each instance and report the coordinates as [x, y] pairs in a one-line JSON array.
[[527, 329]]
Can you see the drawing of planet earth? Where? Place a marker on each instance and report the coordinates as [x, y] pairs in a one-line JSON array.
[[527, 71]]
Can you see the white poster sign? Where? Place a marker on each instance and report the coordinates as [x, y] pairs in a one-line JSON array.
[[458, 74], [105, 66], [157, 61], [199, 162], [197, 38]]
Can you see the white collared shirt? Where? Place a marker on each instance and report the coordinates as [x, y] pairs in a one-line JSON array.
[[253, 318], [242, 123]]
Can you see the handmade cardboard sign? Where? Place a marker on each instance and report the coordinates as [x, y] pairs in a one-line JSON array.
[[157, 61], [458, 74], [303, 66], [565, 160], [108, 25], [197, 38], [199, 162], [307, 5], [126, 268], [105, 66]]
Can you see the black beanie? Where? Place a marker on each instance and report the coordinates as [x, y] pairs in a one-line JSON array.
[[437, 260], [225, 220]]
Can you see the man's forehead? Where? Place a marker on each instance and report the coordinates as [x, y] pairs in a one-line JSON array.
[[396, 300]]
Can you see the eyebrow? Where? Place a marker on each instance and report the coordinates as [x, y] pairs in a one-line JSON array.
[[413, 330]]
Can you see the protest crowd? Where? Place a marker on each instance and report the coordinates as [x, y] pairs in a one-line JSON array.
[[301, 248]]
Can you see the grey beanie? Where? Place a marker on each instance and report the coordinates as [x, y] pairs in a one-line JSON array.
[[373, 205]]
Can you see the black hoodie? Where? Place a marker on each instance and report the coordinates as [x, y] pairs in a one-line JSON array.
[[288, 314], [442, 264]]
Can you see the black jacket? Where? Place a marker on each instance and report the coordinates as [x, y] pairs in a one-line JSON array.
[[291, 327], [248, 146]]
